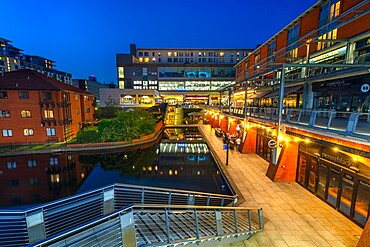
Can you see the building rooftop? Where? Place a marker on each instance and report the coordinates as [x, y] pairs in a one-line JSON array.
[[33, 80]]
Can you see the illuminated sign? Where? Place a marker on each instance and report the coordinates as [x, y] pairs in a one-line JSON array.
[[328, 55]]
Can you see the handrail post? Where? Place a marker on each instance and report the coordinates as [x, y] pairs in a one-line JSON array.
[[169, 197], [218, 221], [236, 222], [260, 218], [249, 220], [167, 225], [196, 223]]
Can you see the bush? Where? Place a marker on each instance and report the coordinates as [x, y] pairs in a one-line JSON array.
[[88, 136]]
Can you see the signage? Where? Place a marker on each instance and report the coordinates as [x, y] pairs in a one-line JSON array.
[[181, 145], [224, 147], [328, 55], [365, 88]]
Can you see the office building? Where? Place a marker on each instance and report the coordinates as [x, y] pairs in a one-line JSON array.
[[179, 74]]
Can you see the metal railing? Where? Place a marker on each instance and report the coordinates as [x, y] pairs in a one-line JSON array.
[[21, 227], [340, 122], [178, 224], [162, 225]]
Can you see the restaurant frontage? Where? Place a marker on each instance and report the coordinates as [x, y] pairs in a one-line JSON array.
[[340, 179]]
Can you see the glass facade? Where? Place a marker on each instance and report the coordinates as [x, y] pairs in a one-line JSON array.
[[191, 85], [195, 72], [326, 175]]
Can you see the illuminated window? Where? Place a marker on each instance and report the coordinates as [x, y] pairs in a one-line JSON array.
[[146, 60], [28, 132], [175, 54], [54, 178], [169, 54], [25, 114], [238, 53], [121, 84], [293, 53], [140, 59], [153, 59], [121, 72], [48, 114], [221, 54]]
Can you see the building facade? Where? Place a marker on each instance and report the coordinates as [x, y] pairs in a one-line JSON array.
[[92, 86], [49, 110], [12, 58], [301, 102], [329, 33], [179, 74]]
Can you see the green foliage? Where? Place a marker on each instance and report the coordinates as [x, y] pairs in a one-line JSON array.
[[126, 126], [109, 111], [88, 136]]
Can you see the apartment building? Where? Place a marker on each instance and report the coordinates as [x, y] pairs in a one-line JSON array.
[[12, 58], [48, 110]]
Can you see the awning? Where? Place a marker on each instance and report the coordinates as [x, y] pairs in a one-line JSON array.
[[258, 95], [287, 91]]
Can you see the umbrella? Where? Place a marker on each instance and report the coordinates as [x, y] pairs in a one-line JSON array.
[[145, 97], [128, 97]]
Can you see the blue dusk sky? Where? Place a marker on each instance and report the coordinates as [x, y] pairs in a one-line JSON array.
[[83, 36]]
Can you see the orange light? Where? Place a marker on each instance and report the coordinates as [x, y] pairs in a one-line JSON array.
[[336, 149]]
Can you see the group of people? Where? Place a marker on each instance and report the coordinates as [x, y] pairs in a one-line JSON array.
[[232, 139]]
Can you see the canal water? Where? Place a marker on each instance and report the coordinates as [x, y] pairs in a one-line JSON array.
[[180, 160]]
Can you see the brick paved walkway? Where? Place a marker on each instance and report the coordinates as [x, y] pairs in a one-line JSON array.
[[293, 216]]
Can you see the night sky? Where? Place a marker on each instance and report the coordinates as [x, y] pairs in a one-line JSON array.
[[83, 36]]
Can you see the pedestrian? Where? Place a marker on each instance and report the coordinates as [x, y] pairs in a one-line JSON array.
[[238, 142]]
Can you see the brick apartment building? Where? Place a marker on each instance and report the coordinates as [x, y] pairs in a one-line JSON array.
[[37, 109]]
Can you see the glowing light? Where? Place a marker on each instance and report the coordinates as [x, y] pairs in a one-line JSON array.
[[336, 149], [307, 140], [296, 139], [170, 172], [355, 159]]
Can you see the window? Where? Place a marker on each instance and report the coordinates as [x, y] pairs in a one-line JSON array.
[[3, 94], [11, 165], [34, 181], [136, 73], [7, 133], [4, 114], [146, 54], [77, 111], [121, 73], [25, 114], [175, 60], [169, 60], [330, 35], [31, 163], [48, 114], [28, 132], [53, 161], [87, 110], [23, 95], [293, 34], [169, 54], [50, 131], [54, 178], [271, 50], [140, 53], [46, 96]]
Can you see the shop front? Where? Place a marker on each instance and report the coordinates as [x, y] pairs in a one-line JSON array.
[[347, 94], [262, 147], [336, 178]]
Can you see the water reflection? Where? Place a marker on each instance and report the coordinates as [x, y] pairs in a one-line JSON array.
[[34, 179]]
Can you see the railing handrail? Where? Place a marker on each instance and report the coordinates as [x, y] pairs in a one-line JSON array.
[[119, 185], [83, 226], [164, 206]]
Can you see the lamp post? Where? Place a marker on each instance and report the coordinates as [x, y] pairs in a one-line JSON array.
[[227, 151]]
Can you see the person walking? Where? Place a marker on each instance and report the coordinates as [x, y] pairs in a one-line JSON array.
[[238, 142]]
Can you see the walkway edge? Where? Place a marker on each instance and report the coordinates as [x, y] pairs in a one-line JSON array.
[[222, 166]]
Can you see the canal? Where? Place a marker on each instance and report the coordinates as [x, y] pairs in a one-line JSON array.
[[179, 160]]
